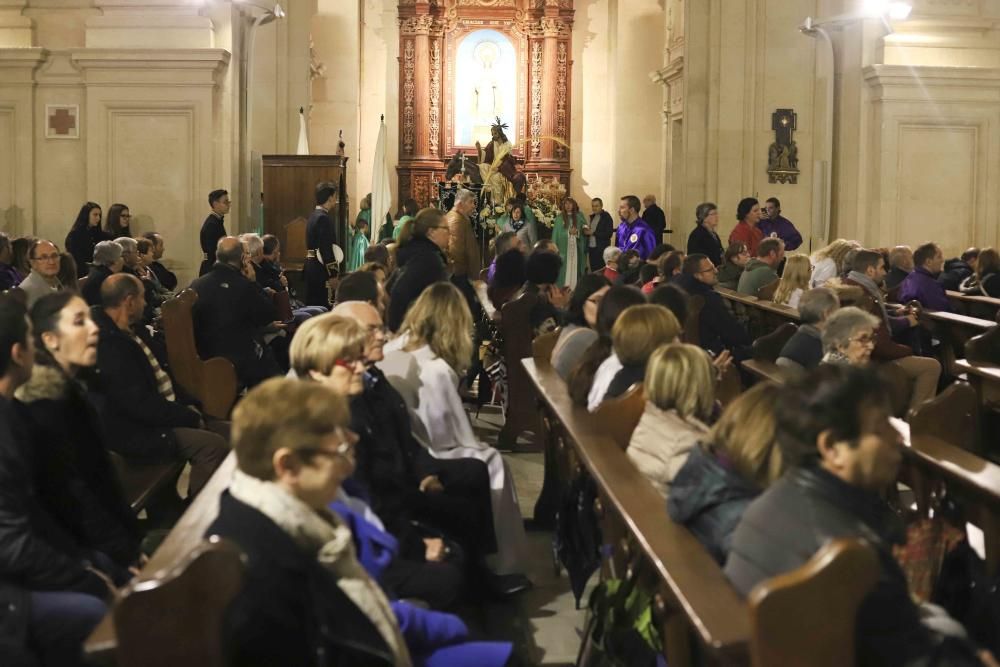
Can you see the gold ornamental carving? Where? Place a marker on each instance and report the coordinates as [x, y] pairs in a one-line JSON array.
[[562, 101], [434, 113], [408, 93], [536, 98]]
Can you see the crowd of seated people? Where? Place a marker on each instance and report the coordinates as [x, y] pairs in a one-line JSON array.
[[372, 445]]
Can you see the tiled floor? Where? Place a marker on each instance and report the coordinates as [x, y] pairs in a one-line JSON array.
[[543, 622]]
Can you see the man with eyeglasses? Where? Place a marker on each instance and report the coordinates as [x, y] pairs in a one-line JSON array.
[[405, 482], [718, 330], [44, 277]]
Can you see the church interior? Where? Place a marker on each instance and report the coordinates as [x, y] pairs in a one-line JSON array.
[[852, 121]]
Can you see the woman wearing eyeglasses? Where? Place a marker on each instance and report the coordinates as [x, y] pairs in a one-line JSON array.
[[307, 598], [849, 337], [119, 221]]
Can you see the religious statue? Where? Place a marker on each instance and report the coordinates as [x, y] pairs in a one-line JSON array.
[[501, 179], [783, 154], [486, 102]]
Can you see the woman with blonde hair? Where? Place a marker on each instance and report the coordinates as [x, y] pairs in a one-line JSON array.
[[736, 461], [330, 349], [424, 364], [828, 262], [794, 281], [637, 332], [680, 397]]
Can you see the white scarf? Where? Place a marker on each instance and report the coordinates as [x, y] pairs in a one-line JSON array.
[[325, 535]]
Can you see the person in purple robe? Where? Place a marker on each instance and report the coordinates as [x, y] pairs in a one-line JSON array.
[[777, 225], [633, 232]]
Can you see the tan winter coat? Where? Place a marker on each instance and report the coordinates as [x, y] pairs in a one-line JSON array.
[[660, 444]]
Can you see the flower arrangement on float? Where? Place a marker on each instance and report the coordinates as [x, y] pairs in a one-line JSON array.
[[544, 196], [489, 214], [545, 211]]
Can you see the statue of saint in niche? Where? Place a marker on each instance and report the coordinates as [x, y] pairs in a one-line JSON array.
[[501, 178], [484, 87], [487, 103]]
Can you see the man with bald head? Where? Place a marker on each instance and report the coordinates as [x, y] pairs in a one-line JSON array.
[[145, 415], [403, 480], [230, 310], [43, 257]]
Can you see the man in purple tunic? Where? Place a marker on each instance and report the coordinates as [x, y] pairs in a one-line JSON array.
[[633, 232], [776, 224]]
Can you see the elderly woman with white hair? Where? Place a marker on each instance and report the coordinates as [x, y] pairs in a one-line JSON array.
[[107, 261], [849, 337]]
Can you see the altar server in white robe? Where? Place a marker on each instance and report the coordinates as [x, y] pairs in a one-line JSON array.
[[423, 364]]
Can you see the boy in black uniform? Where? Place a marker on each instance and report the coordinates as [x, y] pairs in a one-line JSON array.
[[213, 228], [321, 268]]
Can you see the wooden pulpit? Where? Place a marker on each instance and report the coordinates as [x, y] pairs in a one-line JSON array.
[[290, 196]]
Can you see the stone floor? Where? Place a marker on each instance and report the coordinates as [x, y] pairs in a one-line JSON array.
[[543, 622]]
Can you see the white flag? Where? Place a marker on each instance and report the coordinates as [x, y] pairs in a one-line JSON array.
[[303, 148], [381, 191]]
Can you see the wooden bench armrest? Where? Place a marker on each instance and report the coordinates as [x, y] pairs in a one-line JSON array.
[[717, 613], [186, 535]]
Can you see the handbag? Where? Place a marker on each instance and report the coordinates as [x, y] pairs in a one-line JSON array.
[[576, 540], [621, 630], [970, 595]]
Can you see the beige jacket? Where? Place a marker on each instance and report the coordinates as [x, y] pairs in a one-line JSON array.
[[463, 253], [660, 444]]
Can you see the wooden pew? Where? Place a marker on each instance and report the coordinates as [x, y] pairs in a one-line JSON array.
[[618, 417], [982, 306], [185, 537], [767, 371], [516, 343], [936, 465], [761, 317], [692, 598], [954, 331], [769, 346], [938, 461], [176, 619], [984, 348], [212, 382], [680, 564], [984, 378], [142, 482], [791, 614]]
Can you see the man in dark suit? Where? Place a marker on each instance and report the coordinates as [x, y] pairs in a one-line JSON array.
[[604, 229], [166, 277], [717, 328], [213, 228], [654, 217], [145, 415], [321, 269], [230, 310]]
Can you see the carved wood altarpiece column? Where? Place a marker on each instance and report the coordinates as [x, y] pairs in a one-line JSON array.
[[431, 33]]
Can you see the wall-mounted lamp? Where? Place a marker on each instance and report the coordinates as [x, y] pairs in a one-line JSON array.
[[249, 201]]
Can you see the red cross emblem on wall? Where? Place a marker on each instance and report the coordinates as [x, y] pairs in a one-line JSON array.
[[62, 122]]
